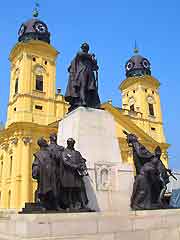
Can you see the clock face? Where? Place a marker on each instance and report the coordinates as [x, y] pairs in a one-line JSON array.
[[129, 65], [21, 30], [145, 63], [40, 27]]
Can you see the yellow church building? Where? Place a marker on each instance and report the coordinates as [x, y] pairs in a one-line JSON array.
[[35, 107]]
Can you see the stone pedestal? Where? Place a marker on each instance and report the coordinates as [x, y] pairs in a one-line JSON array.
[[142, 225], [110, 184]]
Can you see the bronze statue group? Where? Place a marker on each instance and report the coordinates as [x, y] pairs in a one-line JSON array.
[[59, 172], [151, 178]]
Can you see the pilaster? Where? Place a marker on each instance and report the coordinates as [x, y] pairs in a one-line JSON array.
[[25, 169]]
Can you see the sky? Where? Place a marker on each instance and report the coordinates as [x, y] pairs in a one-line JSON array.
[[111, 28]]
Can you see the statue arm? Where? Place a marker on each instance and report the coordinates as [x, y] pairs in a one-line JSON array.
[[95, 67], [90, 57], [69, 163], [83, 163], [142, 154], [94, 63]]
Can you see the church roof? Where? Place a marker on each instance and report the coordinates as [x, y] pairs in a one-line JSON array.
[[137, 65], [128, 125], [34, 29]]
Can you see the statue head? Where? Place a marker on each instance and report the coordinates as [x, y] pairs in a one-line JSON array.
[[131, 138], [70, 143], [158, 152], [85, 47], [42, 142], [53, 138]]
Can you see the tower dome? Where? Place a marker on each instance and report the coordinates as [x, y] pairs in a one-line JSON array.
[[137, 65], [34, 29]]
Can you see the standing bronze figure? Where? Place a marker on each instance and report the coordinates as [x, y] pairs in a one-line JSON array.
[[142, 195], [44, 171], [82, 88], [72, 182], [56, 153]]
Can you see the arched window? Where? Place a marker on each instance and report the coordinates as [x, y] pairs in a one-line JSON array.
[[151, 102], [9, 199], [39, 73], [39, 83], [1, 170], [16, 85], [10, 167], [104, 177], [132, 103], [1, 166], [132, 107], [151, 109]]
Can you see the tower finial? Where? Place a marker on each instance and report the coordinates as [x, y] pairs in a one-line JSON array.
[[36, 9], [136, 49]]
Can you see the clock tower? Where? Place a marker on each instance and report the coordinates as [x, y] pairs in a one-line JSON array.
[[33, 110], [141, 98], [33, 76]]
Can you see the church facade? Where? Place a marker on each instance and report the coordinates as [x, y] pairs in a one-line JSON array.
[[35, 107]]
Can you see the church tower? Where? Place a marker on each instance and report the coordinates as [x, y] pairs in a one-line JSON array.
[[33, 111], [33, 76], [140, 97]]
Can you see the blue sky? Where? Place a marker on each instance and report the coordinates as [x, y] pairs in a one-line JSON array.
[[110, 27]]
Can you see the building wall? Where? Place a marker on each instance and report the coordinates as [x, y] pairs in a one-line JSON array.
[[25, 122], [16, 157], [140, 92], [28, 104]]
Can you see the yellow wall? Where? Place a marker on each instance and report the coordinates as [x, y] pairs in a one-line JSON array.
[[28, 60], [16, 154], [124, 122], [141, 91], [25, 124]]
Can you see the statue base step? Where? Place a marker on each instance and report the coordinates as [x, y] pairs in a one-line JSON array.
[[36, 208]]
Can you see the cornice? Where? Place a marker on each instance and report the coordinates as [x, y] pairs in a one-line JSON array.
[[43, 97], [35, 46], [143, 80]]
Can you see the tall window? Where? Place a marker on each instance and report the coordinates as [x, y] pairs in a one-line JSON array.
[[132, 107], [39, 83], [16, 85], [132, 102], [9, 199], [151, 109], [10, 167], [1, 171]]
